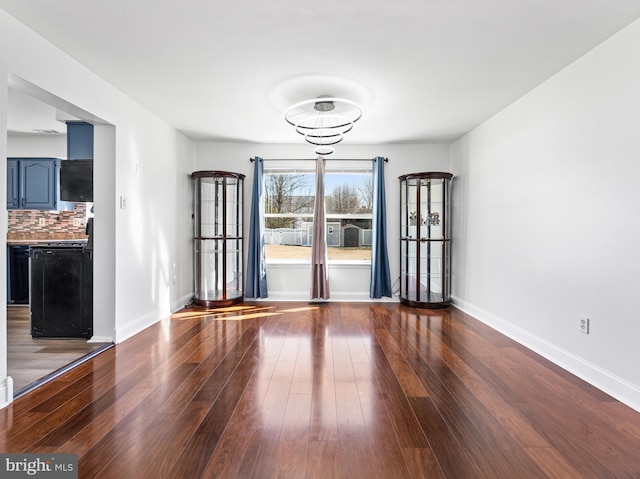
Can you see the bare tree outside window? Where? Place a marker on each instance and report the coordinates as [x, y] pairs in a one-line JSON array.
[[343, 199], [365, 193], [287, 194]]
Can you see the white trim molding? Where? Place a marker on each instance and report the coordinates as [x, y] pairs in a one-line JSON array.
[[133, 327], [100, 339]]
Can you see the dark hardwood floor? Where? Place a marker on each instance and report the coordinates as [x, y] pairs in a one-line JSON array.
[[336, 390]]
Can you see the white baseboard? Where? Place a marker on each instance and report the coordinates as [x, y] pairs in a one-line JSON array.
[[134, 326], [283, 296], [598, 377], [6, 392]]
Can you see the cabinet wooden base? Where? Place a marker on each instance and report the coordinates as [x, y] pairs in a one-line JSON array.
[[422, 304], [222, 303]]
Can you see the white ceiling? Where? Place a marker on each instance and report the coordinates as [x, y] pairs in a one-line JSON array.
[[423, 70]]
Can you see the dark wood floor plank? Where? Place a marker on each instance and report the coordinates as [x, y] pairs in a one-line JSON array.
[[406, 377], [323, 460], [104, 394], [450, 453], [536, 447], [324, 416], [355, 460], [325, 390], [73, 398], [168, 374], [292, 451], [508, 375], [342, 364], [422, 463], [157, 456], [575, 435], [204, 442], [259, 460], [131, 431], [552, 463], [581, 394], [214, 384], [571, 437], [201, 375], [382, 436], [407, 428], [499, 407], [104, 423], [201, 450], [94, 461], [485, 440], [243, 426]]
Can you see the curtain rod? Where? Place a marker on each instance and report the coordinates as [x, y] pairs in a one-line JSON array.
[[386, 160]]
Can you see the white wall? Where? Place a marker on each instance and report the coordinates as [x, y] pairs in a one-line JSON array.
[[37, 146], [546, 224], [143, 266], [346, 282]]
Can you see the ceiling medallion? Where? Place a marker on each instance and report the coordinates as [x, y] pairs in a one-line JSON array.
[[323, 121]]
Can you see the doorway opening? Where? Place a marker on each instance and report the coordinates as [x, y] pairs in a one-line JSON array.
[[37, 130]]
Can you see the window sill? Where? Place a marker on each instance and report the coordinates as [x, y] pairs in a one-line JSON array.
[[297, 262]]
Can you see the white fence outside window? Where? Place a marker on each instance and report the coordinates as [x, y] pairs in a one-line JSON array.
[[337, 235]]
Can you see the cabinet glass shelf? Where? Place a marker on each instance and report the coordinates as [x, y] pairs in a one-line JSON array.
[[425, 239]]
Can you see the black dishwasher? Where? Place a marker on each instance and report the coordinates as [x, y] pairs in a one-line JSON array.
[[61, 295]]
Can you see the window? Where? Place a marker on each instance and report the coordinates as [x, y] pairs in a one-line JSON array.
[[289, 199]]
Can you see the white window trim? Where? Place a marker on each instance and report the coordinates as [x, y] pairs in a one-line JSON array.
[[340, 167]]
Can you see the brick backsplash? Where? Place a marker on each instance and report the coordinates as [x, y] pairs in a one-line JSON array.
[[25, 224]]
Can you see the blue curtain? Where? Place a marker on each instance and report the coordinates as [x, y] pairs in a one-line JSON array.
[[380, 275], [256, 267]]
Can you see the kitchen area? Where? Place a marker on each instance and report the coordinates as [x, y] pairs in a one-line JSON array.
[[49, 252]]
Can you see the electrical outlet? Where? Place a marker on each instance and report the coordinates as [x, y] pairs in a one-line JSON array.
[[42, 222], [584, 324], [77, 221], [123, 202]]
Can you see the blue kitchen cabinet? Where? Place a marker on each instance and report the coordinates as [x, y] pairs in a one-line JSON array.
[[38, 184], [79, 140], [34, 184], [13, 186]]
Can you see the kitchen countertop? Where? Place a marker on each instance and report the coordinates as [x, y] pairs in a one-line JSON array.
[[40, 240]]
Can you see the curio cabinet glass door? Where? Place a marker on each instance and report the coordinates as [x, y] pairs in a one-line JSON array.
[[218, 256], [425, 239]]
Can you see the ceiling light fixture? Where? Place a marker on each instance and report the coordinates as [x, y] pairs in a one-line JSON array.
[[47, 131], [323, 121]]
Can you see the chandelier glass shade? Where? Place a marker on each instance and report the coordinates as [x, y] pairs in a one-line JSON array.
[[323, 121]]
